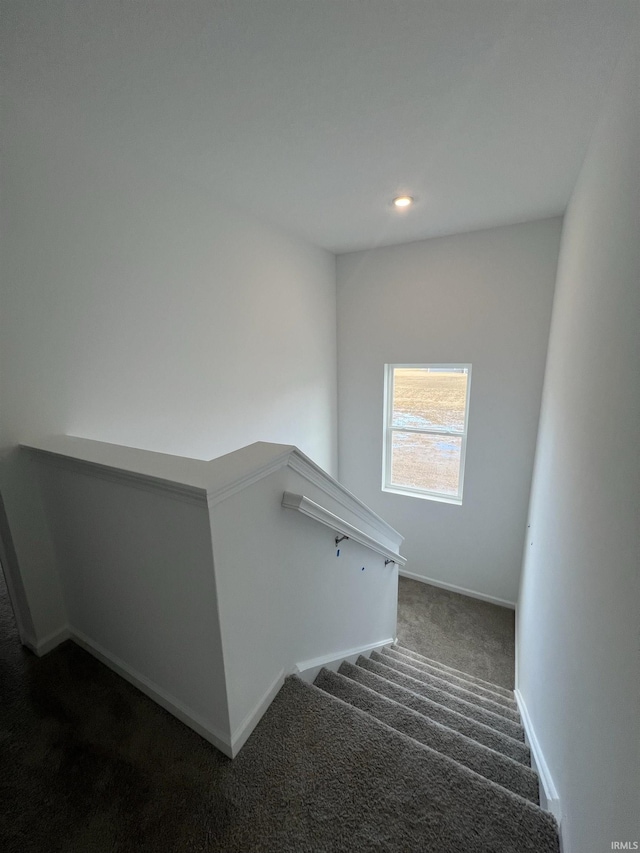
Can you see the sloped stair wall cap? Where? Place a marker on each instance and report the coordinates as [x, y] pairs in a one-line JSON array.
[[212, 480]]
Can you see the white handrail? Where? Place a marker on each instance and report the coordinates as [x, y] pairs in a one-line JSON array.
[[310, 508]]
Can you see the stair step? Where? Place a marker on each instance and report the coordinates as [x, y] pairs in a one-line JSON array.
[[469, 709], [443, 684], [402, 795], [435, 711], [456, 680], [496, 688], [486, 762]]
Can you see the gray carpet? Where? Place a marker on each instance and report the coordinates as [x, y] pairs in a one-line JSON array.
[[508, 746], [487, 762], [88, 764], [364, 786], [408, 667], [470, 635], [454, 677], [432, 664], [443, 697]]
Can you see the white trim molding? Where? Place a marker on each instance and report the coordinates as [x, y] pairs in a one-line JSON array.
[[46, 644], [313, 473], [308, 669], [219, 739], [240, 736], [217, 493], [460, 589], [230, 746], [313, 510], [549, 798], [197, 480]]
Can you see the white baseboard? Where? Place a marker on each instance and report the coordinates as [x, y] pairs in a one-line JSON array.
[[241, 734], [169, 703], [549, 799], [46, 644], [230, 746], [516, 666], [308, 669], [460, 589]]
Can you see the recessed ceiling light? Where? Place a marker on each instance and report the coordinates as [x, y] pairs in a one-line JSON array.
[[403, 201]]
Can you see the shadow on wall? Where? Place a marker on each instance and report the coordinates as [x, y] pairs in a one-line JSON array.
[[11, 575]]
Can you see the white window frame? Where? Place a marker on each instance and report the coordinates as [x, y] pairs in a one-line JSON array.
[[388, 430]]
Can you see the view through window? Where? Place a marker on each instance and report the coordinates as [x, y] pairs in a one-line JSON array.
[[426, 414]]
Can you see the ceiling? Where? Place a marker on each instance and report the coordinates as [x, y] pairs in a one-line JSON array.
[[313, 114]]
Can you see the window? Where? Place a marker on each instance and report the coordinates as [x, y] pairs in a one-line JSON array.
[[425, 429]]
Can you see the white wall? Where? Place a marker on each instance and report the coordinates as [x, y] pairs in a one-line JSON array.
[[192, 580], [141, 310], [286, 598], [136, 566], [578, 656], [32, 578], [483, 298]]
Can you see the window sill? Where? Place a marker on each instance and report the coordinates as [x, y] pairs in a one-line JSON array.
[[425, 496]]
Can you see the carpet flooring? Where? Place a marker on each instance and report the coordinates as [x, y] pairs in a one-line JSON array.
[[465, 633], [359, 762], [512, 775]]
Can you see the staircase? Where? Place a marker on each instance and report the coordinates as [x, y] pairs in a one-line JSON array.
[[440, 754]]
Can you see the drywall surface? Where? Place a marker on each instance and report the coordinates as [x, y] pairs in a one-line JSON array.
[[136, 566], [193, 580], [483, 298], [578, 655], [29, 564], [139, 310], [286, 596]]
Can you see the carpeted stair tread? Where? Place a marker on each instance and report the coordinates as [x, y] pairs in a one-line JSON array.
[[402, 796], [443, 684], [469, 709], [486, 762], [486, 735], [456, 680], [496, 688]]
